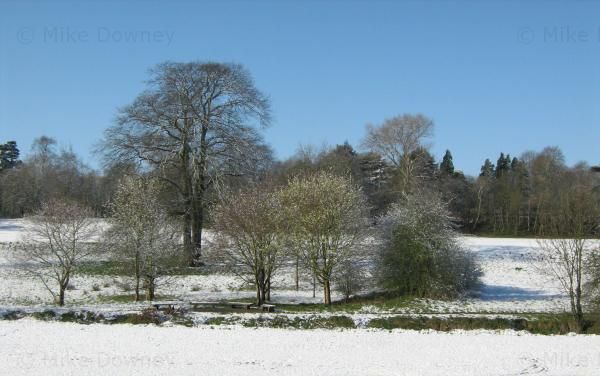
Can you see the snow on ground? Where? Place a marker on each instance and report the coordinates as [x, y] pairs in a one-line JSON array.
[[72, 349], [511, 281]]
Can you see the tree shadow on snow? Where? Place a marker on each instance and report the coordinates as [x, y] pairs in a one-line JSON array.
[[510, 293]]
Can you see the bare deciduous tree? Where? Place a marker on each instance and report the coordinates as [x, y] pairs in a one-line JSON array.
[[249, 230], [197, 119], [398, 139], [326, 215], [564, 260], [58, 240], [566, 254]]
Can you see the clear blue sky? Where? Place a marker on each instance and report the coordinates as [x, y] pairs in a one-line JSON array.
[[494, 76]]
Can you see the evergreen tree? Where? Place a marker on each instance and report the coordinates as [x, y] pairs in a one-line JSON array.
[[502, 166], [514, 165], [447, 166], [487, 169], [9, 155]]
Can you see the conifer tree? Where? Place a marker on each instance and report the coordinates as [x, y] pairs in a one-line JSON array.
[[487, 169], [502, 166], [447, 166]]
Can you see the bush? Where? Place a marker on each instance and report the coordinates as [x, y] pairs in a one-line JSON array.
[[421, 255]]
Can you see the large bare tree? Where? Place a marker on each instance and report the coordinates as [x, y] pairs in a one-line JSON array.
[[200, 120], [398, 140]]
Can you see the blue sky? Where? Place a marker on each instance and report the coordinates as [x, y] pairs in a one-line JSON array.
[[495, 76]]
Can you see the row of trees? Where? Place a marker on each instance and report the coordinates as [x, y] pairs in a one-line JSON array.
[[318, 219], [50, 172], [529, 194]]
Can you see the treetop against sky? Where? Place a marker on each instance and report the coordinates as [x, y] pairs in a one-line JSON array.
[[493, 76]]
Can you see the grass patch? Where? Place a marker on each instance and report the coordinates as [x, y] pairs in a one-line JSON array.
[[536, 324], [382, 302], [102, 268], [311, 322], [13, 315], [129, 298], [84, 317], [44, 315]]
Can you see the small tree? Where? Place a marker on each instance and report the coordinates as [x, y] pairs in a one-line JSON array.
[[248, 226], [327, 219], [568, 255], [349, 278], [142, 236], [58, 239]]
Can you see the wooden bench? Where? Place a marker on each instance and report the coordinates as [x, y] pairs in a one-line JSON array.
[[240, 305], [211, 305], [267, 308], [168, 306]]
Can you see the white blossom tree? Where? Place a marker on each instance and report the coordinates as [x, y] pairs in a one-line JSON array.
[[142, 235], [326, 215]]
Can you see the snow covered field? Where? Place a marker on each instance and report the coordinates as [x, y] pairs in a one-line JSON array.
[[511, 281], [71, 349]]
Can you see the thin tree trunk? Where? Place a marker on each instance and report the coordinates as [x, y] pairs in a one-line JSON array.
[[61, 295], [297, 273], [327, 292], [137, 277]]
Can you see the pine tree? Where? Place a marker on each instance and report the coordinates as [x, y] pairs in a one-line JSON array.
[[487, 169], [502, 166], [447, 166], [9, 155]]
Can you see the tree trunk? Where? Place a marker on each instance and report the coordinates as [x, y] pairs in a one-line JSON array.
[[297, 273], [197, 222], [150, 288], [61, 295], [258, 289], [197, 204], [327, 292], [137, 277], [188, 248], [62, 287]]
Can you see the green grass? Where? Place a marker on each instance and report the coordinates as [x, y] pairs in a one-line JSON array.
[[129, 298], [379, 301], [547, 324], [102, 268], [117, 268]]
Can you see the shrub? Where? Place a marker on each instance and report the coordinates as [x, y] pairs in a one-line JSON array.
[[421, 255]]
